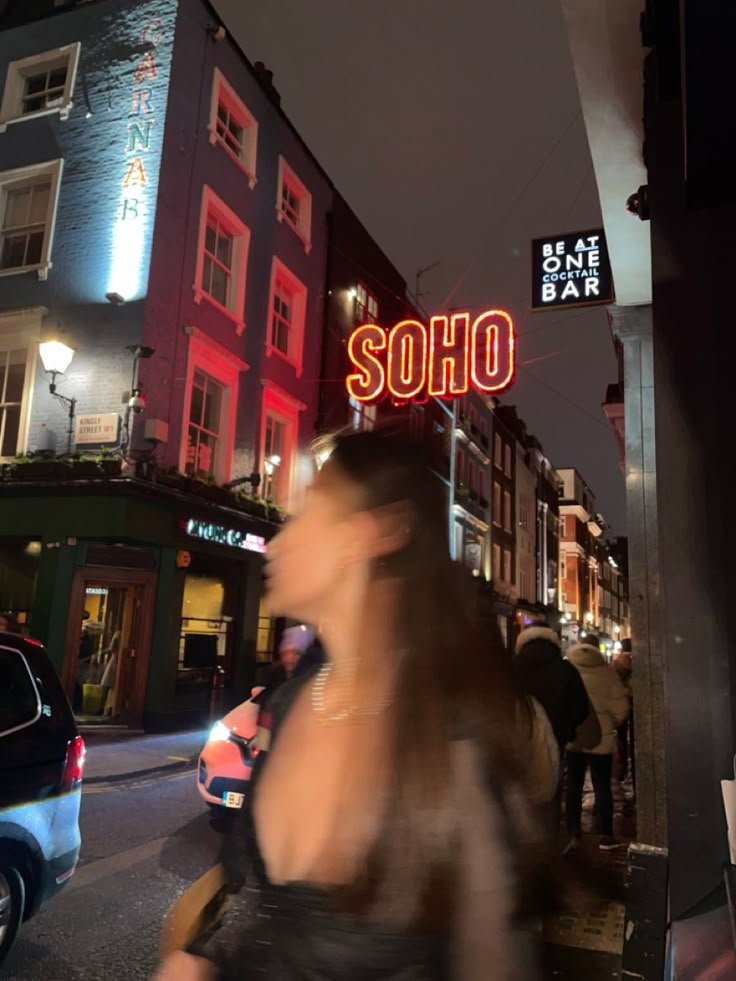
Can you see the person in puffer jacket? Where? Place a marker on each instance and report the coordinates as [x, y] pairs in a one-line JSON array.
[[611, 704]]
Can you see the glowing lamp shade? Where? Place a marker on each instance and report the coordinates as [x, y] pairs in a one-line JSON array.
[[56, 357]]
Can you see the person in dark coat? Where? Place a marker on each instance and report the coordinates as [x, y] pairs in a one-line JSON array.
[[541, 671]]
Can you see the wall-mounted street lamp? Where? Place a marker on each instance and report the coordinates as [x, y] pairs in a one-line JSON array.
[[56, 358]]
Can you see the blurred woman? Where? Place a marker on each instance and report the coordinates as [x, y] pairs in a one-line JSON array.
[[383, 812]]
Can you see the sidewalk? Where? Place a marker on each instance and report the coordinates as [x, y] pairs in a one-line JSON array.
[[109, 760], [588, 945]]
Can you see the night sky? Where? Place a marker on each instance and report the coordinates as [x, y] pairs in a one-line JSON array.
[[454, 131]]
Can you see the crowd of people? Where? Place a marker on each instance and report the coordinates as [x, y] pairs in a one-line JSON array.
[[404, 807]]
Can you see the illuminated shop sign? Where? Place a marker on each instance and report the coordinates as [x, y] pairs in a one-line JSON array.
[[144, 100], [571, 271], [220, 535], [412, 362]]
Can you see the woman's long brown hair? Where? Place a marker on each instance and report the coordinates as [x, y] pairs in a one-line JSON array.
[[454, 681]]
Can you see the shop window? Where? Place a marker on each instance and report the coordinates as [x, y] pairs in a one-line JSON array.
[[18, 574], [42, 83], [294, 204], [366, 306], [107, 622], [265, 639], [222, 258], [204, 631], [28, 200], [362, 414], [288, 308], [233, 127], [209, 410]]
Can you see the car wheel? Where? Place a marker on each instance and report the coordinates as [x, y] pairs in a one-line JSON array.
[[12, 901]]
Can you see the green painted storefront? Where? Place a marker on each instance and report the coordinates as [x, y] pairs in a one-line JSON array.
[[150, 548]]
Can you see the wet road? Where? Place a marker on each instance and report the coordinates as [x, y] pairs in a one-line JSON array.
[[142, 845]]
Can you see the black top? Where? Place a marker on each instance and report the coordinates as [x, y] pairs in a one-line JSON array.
[[542, 672], [295, 932]]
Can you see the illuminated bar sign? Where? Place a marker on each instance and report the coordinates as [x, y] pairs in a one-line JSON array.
[[219, 535], [571, 271], [413, 362]]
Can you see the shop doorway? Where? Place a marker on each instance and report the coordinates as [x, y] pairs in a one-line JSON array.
[[108, 645]]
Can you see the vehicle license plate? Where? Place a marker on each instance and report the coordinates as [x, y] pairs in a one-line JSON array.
[[229, 799]]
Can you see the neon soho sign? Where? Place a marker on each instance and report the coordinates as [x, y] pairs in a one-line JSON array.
[[223, 536], [416, 362]]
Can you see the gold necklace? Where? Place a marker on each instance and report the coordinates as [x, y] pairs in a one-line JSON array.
[[342, 715]]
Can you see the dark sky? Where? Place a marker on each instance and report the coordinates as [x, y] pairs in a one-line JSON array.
[[454, 131]]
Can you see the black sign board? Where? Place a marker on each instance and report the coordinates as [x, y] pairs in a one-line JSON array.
[[571, 271]]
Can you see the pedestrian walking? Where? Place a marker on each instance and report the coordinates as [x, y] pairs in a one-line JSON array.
[[295, 641], [379, 824], [541, 671], [625, 732], [543, 674], [611, 705]]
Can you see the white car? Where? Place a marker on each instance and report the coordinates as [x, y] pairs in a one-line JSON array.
[[226, 762]]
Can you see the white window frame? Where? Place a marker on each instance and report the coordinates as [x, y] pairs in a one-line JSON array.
[[28, 175], [235, 309], [222, 91], [19, 70], [21, 329], [207, 356], [366, 301], [286, 409], [362, 415], [295, 355], [303, 228]]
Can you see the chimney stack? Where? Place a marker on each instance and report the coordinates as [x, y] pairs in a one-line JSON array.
[[265, 77]]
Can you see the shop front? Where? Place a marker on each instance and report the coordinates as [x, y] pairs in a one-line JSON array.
[[149, 601]]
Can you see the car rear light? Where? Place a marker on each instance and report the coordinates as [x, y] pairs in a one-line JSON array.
[[33, 642], [74, 765]]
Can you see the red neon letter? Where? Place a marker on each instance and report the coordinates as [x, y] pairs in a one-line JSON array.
[[493, 351], [449, 355], [369, 380], [407, 360]]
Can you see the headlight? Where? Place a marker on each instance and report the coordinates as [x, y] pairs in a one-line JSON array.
[[219, 733]]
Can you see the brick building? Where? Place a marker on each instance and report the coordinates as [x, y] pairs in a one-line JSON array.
[[580, 529], [161, 217]]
